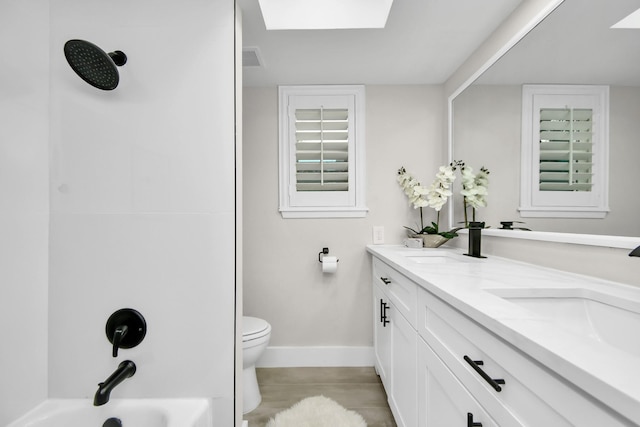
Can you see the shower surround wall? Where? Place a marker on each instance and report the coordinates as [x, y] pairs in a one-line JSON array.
[[24, 204], [141, 201]]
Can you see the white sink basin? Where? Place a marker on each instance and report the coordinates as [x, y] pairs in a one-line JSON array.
[[431, 259], [607, 318], [434, 257]]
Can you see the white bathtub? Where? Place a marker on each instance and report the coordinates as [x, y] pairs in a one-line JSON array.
[[131, 412]]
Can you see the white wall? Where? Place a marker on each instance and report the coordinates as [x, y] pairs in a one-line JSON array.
[[24, 30], [283, 282], [141, 200]]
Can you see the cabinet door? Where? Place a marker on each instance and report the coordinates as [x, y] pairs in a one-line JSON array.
[[404, 385], [381, 336], [442, 399]]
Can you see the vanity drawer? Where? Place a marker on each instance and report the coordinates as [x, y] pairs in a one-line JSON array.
[[401, 291], [531, 393], [442, 399]]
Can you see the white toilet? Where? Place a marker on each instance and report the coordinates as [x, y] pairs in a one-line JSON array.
[[255, 338]]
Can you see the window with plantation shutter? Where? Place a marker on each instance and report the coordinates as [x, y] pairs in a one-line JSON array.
[[321, 151], [564, 151]]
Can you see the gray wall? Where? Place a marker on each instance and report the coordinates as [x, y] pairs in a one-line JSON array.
[[487, 131], [283, 282]]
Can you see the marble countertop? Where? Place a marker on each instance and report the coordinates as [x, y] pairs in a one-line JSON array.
[[472, 286]]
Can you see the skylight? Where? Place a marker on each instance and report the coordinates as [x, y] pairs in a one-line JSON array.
[[324, 14], [631, 21]]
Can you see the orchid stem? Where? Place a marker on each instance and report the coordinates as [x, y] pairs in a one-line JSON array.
[[466, 221]]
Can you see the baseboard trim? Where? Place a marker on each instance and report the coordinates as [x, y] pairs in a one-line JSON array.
[[290, 357]]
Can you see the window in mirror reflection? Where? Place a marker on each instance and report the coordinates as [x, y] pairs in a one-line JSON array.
[[566, 155], [564, 151]]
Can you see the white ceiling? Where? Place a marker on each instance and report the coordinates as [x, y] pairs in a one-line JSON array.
[[424, 42]]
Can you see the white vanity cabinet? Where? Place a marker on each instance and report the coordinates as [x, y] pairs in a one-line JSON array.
[[395, 340], [529, 393], [440, 367]]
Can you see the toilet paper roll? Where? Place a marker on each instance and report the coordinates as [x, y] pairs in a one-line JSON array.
[[329, 264]]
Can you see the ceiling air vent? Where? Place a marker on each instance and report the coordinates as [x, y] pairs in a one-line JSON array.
[[251, 57]]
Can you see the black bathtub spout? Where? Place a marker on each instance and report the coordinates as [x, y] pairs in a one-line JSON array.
[[125, 370]]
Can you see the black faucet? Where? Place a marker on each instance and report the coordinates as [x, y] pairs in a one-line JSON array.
[[635, 252], [475, 237], [508, 225], [125, 370]]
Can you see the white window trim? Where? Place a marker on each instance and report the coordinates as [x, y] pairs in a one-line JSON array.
[[317, 209], [569, 207]]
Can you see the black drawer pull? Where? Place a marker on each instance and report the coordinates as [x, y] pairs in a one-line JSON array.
[[470, 422], [384, 317], [495, 383], [386, 280]]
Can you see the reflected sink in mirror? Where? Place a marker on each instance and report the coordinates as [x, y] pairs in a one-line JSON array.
[[603, 317]]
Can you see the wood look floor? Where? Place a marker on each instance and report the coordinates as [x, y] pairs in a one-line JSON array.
[[357, 389]]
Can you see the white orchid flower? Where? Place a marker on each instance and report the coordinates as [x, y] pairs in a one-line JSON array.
[[419, 189], [474, 187], [446, 174], [412, 189]]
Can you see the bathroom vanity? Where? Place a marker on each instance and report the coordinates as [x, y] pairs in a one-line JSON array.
[[462, 341]]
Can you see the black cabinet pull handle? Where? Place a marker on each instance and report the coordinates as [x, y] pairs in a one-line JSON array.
[[495, 383], [470, 422], [383, 313], [384, 317], [386, 280]]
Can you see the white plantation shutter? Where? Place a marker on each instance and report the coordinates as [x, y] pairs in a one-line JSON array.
[[566, 149], [321, 151]]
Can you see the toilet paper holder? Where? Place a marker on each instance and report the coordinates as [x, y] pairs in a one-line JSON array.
[[322, 253]]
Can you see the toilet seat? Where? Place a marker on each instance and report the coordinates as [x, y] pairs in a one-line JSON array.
[[254, 328]]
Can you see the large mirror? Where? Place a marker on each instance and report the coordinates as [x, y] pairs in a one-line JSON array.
[[573, 45]]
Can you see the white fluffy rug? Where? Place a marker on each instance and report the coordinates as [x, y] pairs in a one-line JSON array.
[[317, 411]]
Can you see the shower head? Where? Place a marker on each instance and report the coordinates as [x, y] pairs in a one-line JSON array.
[[93, 64]]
